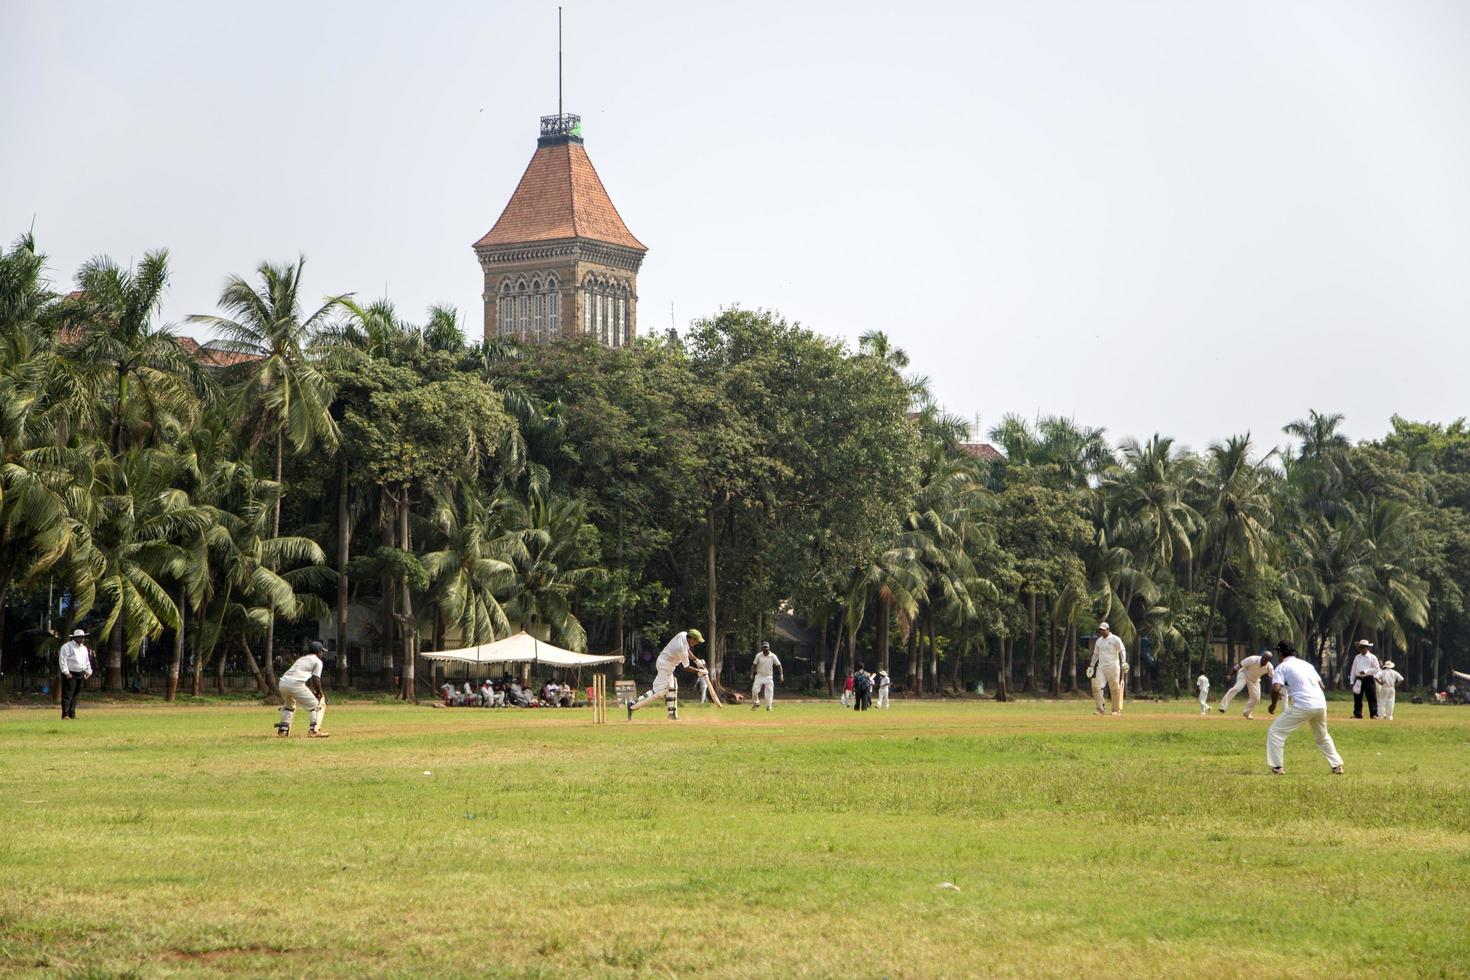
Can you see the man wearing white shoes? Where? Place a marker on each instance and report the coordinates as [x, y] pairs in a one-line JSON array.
[[1109, 664], [1388, 681], [301, 686], [766, 665], [1248, 674], [1308, 707]]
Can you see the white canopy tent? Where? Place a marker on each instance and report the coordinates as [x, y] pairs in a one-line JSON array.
[[523, 648]]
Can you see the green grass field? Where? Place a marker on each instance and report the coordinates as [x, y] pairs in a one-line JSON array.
[[812, 841]]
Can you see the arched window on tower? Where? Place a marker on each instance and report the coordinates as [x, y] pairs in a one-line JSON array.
[[553, 308], [537, 301], [586, 307], [523, 308], [623, 319], [504, 310]]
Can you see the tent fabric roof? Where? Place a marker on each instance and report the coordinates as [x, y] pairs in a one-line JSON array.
[[523, 648], [560, 196]]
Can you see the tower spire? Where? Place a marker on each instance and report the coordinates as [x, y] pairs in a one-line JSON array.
[[558, 60]]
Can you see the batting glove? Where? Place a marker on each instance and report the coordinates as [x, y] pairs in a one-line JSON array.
[[1089, 671]]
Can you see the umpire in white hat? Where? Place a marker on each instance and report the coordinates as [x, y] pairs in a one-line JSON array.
[[1365, 676], [75, 661]]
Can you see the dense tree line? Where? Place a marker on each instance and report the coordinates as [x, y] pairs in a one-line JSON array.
[[317, 458]]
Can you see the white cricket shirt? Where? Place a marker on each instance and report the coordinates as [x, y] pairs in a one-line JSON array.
[[1253, 668], [1108, 651], [676, 653], [74, 658], [1390, 678], [1301, 681], [1203, 684], [307, 666], [765, 665]]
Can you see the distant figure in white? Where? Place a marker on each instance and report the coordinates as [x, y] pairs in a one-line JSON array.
[[1108, 665], [1248, 674], [702, 683], [1202, 683], [1388, 682], [301, 686], [1364, 673], [884, 682], [678, 653], [1308, 707], [767, 664]]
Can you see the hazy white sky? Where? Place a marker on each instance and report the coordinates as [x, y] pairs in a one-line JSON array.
[[1190, 216]]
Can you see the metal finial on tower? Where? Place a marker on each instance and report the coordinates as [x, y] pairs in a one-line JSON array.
[[558, 60]]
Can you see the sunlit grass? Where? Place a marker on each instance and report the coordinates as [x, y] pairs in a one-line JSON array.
[[811, 841]]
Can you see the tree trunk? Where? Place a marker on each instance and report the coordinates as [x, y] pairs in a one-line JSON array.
[[1031, 650], [390, 591], [219, 675], [1072, 654], [178, 657], [836, 656], [933, 652], [410, 627], [1002, 685], [344, 546], [915, 675], [260, 680], [270, 626], [115, 657], [712, 595], [885, 620], [1204, 652]]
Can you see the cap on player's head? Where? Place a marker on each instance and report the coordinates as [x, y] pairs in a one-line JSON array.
[[765, 644], [695, 636], [1103, 626], [316, 646], [1286, 649]]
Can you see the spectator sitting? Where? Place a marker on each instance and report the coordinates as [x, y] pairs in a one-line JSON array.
[[487, 694], [447, 689], [568, 696], [470, 697], [519, 697]]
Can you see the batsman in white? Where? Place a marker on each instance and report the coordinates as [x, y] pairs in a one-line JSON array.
[[678, 653], [1108, 665], [1388, 681], [1308, 707], [1202, 683], [1248, 674], [765, 683], [301, 686]]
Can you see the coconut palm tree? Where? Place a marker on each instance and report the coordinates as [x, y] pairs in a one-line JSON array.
[[554, 552], [467, 569], [1239, 518], [281, 394]]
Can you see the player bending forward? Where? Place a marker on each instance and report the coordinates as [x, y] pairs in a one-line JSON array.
[[1248, 675], [679, 653], [1308, 707], [765, 683], [302, 686]]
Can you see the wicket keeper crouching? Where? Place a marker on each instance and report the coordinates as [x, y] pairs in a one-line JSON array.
[[678, 653], [301, 686]]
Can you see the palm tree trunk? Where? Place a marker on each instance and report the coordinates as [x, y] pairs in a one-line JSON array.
[[270, 627], [410, 628], [836, 656], [716, 647], [933, 653], [916, 676], [219, 674], [254, 668], [390, 590], [1204, 652], [178, 657], [344, 545], [884, 626], [1031, 650], [1072, 654], [115, 657]]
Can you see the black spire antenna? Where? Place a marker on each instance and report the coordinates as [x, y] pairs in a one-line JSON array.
[[558, 60], [560, 128]]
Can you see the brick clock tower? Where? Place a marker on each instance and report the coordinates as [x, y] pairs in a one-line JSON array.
[[560, 262]]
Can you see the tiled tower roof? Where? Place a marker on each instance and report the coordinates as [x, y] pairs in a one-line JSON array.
[[560, 196]]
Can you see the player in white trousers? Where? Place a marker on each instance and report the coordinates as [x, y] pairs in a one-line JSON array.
[[1248, 674], [1202, 683], [765, 663], [1308, 707], [1388, 682], [884, 682], [1108, 665], [301, 687], [678, 653]]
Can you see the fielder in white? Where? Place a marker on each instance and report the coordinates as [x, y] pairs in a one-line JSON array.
[[1388, 682], [1248, 674], [678, 653], [1108, 665], [1308, 707], [1202, 683], [884, 682], [302, 686], [765, 663]]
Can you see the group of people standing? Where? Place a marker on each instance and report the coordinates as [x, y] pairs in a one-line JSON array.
[[861, 688]]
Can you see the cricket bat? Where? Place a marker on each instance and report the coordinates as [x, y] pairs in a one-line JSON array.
[[714, 692]]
